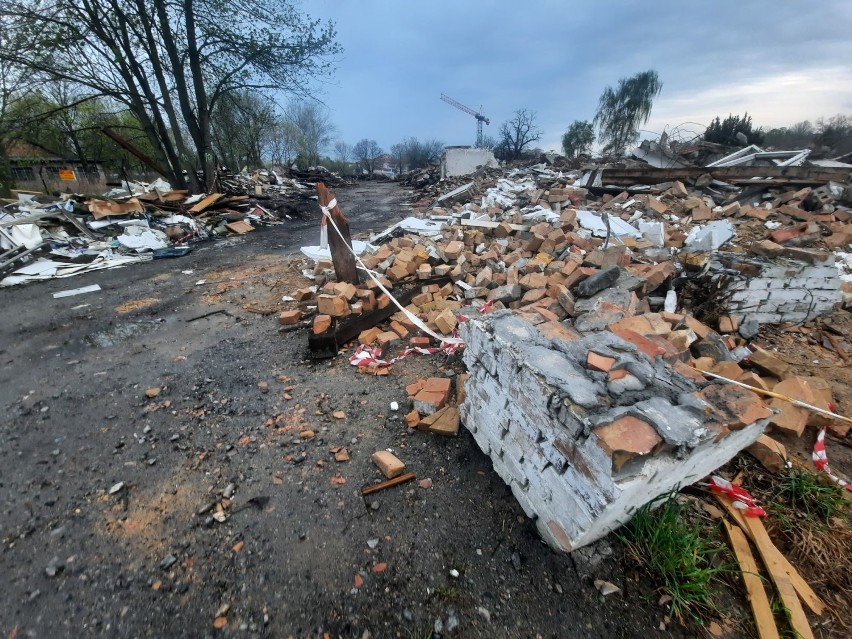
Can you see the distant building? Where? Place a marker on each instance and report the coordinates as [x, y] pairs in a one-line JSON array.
[[33, 166], [464, 160]]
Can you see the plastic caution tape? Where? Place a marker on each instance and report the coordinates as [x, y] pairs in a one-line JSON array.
[[740, 497], [820, 458], [371, 355]]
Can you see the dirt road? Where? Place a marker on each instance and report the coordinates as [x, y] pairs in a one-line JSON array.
[[105, 489]]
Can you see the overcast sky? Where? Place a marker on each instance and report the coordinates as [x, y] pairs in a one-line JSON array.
[[781, 60]]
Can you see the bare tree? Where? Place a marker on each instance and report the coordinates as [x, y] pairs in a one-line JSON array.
[[281, 145], [397, 153], [343, 151], [518, 133], [367, 152], [314, 130], [420, 154], [172, 61], [241, 123]]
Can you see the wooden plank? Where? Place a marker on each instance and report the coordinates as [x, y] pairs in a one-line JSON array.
[[206, 202], [809, 175], [339, 243], [374, 488], [763, 619], [753, 528]]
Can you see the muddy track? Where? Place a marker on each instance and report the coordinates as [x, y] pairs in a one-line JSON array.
[[235, 403]]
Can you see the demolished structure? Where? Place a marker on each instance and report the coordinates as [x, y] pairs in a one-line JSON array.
[[592, 387]]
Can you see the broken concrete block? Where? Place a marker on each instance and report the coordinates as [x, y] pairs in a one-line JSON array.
[[388, 463], [709, 237], [576, 486]]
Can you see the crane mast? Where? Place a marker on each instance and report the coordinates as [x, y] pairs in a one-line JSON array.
[[480, 119]]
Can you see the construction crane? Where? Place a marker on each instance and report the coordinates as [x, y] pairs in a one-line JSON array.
[[479, 117]]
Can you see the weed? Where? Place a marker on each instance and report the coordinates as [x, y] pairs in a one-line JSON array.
[[447, 593], [420, 633], [675, 552], [804, 495]]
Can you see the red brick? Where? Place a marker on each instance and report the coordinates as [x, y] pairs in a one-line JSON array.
[[627, 438], [599, 362], [287, 318], [646, 346]]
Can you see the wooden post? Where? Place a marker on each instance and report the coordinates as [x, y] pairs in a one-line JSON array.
[[341, 255]]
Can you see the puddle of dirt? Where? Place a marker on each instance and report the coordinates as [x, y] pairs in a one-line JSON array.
[[121, 333], [135, 305]]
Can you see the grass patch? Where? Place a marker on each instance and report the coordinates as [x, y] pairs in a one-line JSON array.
[[812, 519], [677, 553], [803, 497]]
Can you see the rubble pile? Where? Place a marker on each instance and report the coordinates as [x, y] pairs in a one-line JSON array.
[[594, 388], [135, 222]]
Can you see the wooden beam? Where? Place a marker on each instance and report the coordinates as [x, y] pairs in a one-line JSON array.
[[802, 174], [206, 202], [762, 611], [127, 146], [396, 481], [772, 557], [341, 247]]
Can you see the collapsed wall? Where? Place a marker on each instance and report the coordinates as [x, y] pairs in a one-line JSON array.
[[780, 289], [586, 431]]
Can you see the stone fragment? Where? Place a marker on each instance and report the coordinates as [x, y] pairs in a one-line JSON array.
[[598, 282]]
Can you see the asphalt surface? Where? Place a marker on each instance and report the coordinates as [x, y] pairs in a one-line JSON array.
[[106, 493]]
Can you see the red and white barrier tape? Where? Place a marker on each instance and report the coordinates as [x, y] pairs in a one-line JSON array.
[[371, 355], [740, 497], [820, 458]]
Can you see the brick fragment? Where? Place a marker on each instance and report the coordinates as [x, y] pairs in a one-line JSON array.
[[369, 336], [627, 438], [288, 318], [599, 362], [321, 323], [333, 305], [770, 453], [390, 465]]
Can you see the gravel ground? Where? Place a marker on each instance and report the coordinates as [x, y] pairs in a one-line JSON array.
[[105, 491]]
